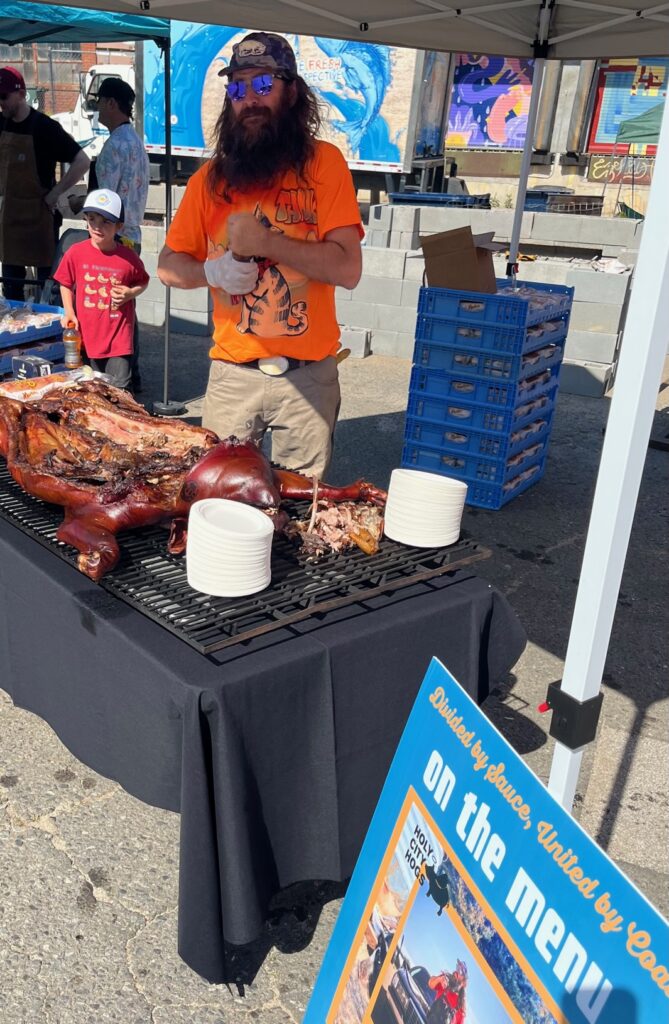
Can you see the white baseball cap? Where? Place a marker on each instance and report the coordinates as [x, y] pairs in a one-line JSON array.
[[105, 202]]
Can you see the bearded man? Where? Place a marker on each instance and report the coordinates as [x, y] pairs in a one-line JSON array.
[[271, 224]]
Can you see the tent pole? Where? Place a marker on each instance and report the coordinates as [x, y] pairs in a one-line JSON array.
[[166, 407], [624, 453], [537, 79]]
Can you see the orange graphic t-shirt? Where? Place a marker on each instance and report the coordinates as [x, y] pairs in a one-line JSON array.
[[286, 314]]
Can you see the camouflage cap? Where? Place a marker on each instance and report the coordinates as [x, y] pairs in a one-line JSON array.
[[262, 50]]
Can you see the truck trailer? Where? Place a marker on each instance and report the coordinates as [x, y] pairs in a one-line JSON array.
[[383, 106]]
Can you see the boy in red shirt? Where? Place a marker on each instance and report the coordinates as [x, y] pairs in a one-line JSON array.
[[99, 279]]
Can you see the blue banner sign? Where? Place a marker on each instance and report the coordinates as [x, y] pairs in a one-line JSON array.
[[477, 899]]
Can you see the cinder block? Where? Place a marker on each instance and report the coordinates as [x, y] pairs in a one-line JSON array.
[[557, 227], [392, 343], [414, 268], [356, 314], [501, 222], [342, 295], [395, 240], [596, 286], [177, 195], [377, 239], [155, 291], [410, 290], [150, 313], [385, 290], [195, 299], [150, 261], [590, 346], [405, 218], [581, 378], [153, 239], [383, 262], [433, 219], [544, 271], [357, 339], [409, 240], [394, 318], [381, 216], [155, 202], [596, 316]]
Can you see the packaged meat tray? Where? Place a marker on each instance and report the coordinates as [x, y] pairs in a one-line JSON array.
[[23, 322]]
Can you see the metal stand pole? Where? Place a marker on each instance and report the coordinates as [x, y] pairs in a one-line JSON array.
[[167, 407], [525, 163]]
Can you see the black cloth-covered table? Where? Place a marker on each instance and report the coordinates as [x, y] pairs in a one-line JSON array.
[[274, 751]]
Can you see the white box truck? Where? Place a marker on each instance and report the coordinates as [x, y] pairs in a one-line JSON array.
[[383, 106]]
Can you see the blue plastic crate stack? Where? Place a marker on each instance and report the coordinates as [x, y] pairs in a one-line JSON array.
[[483, 386], [29, 329]]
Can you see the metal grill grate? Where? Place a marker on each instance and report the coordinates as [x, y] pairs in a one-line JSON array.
[[154, 582]]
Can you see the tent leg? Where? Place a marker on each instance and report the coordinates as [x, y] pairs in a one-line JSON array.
[[625, 445], [166, 407], [525, 163]]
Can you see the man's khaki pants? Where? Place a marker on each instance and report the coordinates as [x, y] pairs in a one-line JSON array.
[[300, 408]]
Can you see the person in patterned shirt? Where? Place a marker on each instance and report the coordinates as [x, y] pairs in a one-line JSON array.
[[123, 167]]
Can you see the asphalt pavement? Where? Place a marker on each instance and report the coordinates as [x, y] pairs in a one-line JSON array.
[[88, 887]]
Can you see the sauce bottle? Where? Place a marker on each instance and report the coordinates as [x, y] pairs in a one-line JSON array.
[[72, 344]]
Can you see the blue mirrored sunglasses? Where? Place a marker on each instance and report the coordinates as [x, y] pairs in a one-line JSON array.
[[261, 85]]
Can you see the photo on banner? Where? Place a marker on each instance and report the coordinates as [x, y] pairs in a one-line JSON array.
[[478, 900]]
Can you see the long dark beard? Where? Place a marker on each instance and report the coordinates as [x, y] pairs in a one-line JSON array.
[[248, 157]]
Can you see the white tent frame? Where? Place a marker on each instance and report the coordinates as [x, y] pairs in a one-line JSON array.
[[541, 29]]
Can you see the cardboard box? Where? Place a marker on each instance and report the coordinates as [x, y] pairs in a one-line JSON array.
[[458, 259], [24, 367]]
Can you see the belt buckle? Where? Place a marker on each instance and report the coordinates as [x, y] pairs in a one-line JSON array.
[[273, 366]]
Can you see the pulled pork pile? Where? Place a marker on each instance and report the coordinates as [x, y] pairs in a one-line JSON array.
[[338, 527]]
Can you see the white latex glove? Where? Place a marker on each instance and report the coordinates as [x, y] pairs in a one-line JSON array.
[[233, 276]]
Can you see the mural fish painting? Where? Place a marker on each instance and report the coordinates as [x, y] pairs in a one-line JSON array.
[[192, 54], [366, 71]]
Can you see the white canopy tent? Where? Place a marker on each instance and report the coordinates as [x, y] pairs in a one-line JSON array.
[[543, 29]]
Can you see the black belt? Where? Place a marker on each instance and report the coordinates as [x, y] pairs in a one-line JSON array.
[[293, 364]]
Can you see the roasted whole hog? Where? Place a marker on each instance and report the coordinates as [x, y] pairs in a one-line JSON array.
[[92, 449]]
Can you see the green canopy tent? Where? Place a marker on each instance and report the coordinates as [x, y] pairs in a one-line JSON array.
[[642, 130], [54, 23]]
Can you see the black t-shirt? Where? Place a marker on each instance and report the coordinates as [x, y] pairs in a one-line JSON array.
[[52, 143]]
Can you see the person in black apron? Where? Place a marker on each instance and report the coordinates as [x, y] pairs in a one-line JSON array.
[[31, 144]]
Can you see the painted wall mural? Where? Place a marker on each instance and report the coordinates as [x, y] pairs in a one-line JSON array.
[[490, 102], [626, 89]]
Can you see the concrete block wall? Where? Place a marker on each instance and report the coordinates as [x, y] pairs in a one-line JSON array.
[[385, 303], [399, 227]]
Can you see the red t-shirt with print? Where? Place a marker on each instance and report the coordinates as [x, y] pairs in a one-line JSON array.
[[91, 274]]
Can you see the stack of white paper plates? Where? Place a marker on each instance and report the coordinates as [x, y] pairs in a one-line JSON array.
[[228, 549], [424, 509]]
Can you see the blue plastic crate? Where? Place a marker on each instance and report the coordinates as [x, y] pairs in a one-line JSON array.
[[466, 466], [462, 415], [481, 363], [491, 483], [11, 339], [498, 308], [508, 394], [421, 431], [495, 496], [492, 337], [47, 350]]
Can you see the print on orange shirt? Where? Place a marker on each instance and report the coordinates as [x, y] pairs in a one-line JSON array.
[[270, 310]]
